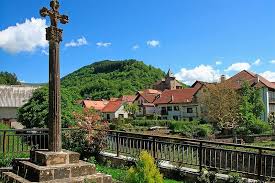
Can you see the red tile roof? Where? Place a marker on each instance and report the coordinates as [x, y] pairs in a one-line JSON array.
[[97, 105], [112, 106], [176, 96], [127, 98], [237, 80]]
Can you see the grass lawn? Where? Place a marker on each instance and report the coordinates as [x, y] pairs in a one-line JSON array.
[[119, 174]]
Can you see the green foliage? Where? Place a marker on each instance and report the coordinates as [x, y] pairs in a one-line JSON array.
[[7, 78], [146, 170], [191, 129], [271, 121], [252, 105], [107, 79], [131, 108], [207, 177], [235, 178], [35, 112]]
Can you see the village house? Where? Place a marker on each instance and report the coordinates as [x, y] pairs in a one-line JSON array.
[[11, 98], [179, 104], [168, 83], [97, 105], [266, 87], [145, 101], [114, 110]]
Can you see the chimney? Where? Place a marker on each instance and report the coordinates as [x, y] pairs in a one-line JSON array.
[[172, 98], [223, 78], [257, 78]]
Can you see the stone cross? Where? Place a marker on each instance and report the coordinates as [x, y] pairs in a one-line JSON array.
[[54, 36]]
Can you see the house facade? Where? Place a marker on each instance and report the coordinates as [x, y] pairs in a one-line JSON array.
[[145, 101], [11, 98], [114, 110], [178, 104], [266, 88]]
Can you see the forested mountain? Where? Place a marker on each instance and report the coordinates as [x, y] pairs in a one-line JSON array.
[[99, 80], [107, 79], [7, 78]]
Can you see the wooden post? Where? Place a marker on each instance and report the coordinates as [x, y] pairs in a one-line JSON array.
[[154, 148], [4, 143], [260, 165], [117, 144], [200, 156]]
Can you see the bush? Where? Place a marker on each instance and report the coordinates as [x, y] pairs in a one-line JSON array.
[[255, 126], [191, 129], [146, 171]]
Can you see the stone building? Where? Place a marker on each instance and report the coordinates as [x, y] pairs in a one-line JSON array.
[[11, 98], [168, 83]]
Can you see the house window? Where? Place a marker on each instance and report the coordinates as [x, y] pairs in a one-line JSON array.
[[189, 110], [176, 108], [169, 108], [108, 116], [121, 116], [176, 118], [164, 118]]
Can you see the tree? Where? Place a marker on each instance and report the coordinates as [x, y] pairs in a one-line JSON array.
[[35, 112], [7, 78], [221, 106], [95, 130], [131, 108], [252, 105]]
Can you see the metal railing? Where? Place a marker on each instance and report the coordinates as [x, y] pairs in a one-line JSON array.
[[257, 162]]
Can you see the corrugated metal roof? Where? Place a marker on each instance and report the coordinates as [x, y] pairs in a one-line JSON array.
[[15, 96]]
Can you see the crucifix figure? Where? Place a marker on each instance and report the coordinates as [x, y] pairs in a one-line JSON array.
[[54, 36]]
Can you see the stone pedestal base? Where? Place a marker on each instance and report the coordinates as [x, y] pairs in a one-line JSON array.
[[50, 167]]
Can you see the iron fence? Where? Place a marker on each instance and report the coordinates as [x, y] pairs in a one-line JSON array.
[[225, 157]]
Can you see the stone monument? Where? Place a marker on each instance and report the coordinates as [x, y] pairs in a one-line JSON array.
[[54, 164]]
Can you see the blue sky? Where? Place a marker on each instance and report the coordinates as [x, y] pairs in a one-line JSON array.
[[197, 39]]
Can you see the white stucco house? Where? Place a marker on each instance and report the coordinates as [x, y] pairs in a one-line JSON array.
[[114, 110], [179, 104]]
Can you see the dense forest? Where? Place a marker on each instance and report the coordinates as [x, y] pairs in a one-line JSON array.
[[107, 79], [7, 78]]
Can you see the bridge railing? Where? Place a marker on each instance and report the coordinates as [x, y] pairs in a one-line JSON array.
[[224, 157]]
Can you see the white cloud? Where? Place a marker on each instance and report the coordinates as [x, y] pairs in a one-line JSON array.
[[102, 44], [153, 43], [26, 36], [269, 75], [257, 62], [202, 73], [272, 61], [238, 67], [45, 52], [79, 42], [135, 47], [218, 62]]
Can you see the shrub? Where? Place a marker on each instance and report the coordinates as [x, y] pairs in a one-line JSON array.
[[235, 178], [146, 171], [204, 130], [254, 126], [191, 129]]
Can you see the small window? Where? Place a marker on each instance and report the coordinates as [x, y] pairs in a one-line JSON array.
[[176, 118], [169, 108], [189, 110], [176, 108], [108, 116], [190, 119], [163, 108], [121, 116], [164, 118]]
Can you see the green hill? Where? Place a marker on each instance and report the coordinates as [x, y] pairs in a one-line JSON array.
[[107, 79]]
